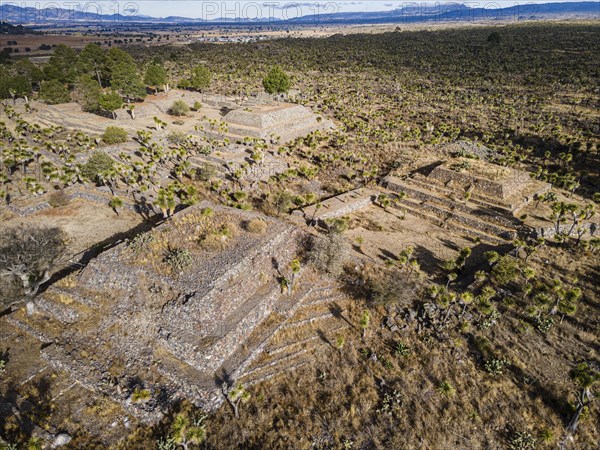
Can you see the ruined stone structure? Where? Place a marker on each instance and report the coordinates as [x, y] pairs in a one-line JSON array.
[[283, 120], [336, 206], [226, 161], [483, 179], [248, 117], [130, 325], [472, 197]]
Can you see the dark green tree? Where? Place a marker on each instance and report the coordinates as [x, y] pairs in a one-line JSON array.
[[124, 77], [4, 56], [99, 162], [200, 78], [114, 135], [14, 86], [110, 101], [62, 65], [276, 81], [126, 81], [155, 76], [494, 38], [30, 71], [87, 93], [93, 62], [54, 92]]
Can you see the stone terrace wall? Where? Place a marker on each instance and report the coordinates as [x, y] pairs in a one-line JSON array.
[[264, 118], [287, 121], [226, 300], [214, 305], [502, 189]]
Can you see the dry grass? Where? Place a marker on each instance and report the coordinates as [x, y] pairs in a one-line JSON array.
[[257, 226], [195, 232]]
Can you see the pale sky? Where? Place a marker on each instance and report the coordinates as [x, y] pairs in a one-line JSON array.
[[249, 9]]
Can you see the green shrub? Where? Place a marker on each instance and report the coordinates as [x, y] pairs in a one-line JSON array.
[[98, 163], [141, 241], [141, 395], [178, 258], [176, 137], [282, 201], [114, 135], [276, 81], [543, 324], [402, 349], [206, 171], [446, 389], [505, 270], [495, 366], [58, 199], [327, 253], [179, 108], [200, 78], [257, 226], [522, 441], [337, 224]]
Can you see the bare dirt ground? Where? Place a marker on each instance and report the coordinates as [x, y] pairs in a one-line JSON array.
[[386, 233], [85, 223]]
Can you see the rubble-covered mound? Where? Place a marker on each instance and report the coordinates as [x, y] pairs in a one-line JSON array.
[[174, 312]]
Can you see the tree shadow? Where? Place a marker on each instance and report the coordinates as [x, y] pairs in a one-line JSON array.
[[386, 254], [324, 338], [87, 255], [144, 208], [223, 379], [477, 261], [534, 390], [337, 312], [426, 170], [428, 261], [537, 391], [20, 414]]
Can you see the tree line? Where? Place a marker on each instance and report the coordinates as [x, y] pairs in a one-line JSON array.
[[101, 81]]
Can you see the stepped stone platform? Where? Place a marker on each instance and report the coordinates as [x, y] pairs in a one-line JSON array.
[[244, 117], [229, 159], [336, 206], [132, 321], [485, 179], [284, 120], [472, 197], [322, 316]]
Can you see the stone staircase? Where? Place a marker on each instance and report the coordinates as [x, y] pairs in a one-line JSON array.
[[39, 324], [66, 115], [290, 129], [287, 121], [53, 312], [336, 206], [316, 322], [489, 221]]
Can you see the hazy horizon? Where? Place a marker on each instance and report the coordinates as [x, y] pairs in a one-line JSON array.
[[248, 9]]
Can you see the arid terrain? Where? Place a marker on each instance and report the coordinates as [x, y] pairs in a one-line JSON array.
[[363, 237]]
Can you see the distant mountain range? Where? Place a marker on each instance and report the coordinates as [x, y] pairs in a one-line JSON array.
[[450, 12]]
